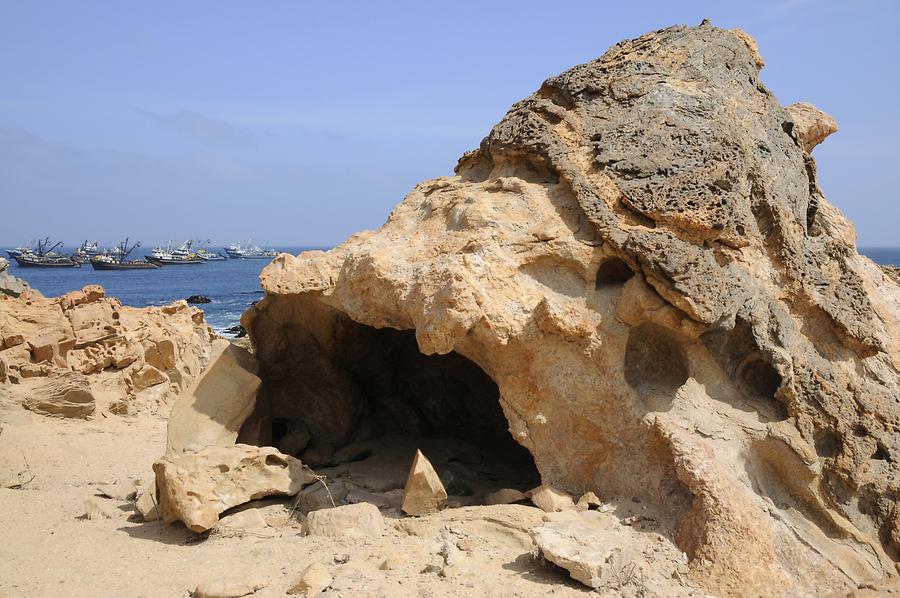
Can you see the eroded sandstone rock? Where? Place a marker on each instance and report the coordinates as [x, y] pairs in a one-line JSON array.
[[640, 257], [196, 486], [66, 395], [129, 358]]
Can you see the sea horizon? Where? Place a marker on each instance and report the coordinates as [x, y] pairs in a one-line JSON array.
[[231, 285]]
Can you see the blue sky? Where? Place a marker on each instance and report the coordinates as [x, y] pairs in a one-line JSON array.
[[299, 123]]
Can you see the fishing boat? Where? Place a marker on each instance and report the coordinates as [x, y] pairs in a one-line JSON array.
[[17, 251], [210, 256], [169, 255], [249, 251], [207, 255], [118, 259], [43, 257], [86, 251]]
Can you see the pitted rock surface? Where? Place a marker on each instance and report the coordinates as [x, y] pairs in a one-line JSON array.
[[640, 257]]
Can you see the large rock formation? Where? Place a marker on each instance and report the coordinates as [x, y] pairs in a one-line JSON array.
[[639, 264], [69, 355]]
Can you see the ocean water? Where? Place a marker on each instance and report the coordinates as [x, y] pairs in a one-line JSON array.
[[882, 255], [233, 285]]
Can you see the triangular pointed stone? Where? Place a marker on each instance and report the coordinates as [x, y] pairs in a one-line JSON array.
[[424, 493]]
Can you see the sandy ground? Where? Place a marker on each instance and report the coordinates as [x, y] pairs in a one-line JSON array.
[[49, 548]]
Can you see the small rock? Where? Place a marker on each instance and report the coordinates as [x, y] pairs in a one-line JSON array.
[[117, 491], [392, 562], [322, 495], [358, 521], [198, 299], [431, 569], [465, 544], [504, 496], [341, 559], [221, 589], [246, 519], [146, 503], [551, 500], [588, 500], [237, 331], [448, 549], [631, 520], [93, 509], [424, 493], [314, 579]]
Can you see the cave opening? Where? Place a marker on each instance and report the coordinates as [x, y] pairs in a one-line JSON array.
[[358, 407], [613, 271]]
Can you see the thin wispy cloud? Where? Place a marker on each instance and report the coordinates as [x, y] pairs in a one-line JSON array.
[[198, 127]]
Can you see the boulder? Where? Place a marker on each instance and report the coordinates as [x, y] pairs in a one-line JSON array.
[[505, 496], [198, 299], [196, 486], [211, 411], [575, 545], [551, 500], [66, 395], [9, 284], [639, 266], [424, 493], [314, 579], [811, 124], [361, 520]]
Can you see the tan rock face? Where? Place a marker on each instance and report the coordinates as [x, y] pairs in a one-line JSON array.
[[212, 411], [640, 260], [195, 487], [127, 358], [424, 492]]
